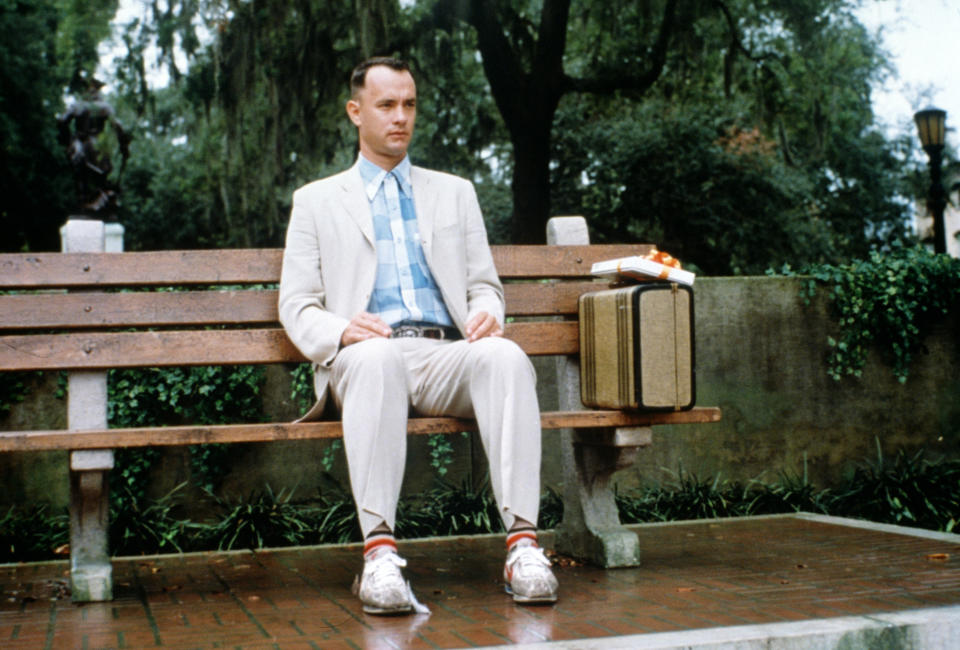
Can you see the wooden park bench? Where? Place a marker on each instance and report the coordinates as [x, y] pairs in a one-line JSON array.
[[87, 312]]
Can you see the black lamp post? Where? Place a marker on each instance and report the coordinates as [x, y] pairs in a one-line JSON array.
[[930, 125]]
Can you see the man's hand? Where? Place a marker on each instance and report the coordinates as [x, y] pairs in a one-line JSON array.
[[481, 326], [364, 326]]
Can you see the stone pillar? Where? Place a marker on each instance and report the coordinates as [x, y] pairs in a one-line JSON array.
[[591, 527], [91, 575]]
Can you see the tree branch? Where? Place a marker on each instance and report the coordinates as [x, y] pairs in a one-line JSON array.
[[642, 81], [736, 43], [552, 39], [501, 63], [736, 47]]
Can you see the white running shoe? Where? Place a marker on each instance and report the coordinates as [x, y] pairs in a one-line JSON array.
[[527, 576], [382, 589]]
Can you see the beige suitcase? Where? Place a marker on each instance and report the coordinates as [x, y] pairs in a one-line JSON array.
[[636, 347]]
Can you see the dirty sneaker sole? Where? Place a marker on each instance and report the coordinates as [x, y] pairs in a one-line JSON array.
[[546, 599]]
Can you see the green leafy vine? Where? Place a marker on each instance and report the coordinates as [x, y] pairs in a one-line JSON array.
[[151, 397], [889, 301], [13, 390]]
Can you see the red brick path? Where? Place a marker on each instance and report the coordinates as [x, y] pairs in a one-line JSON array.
[[694, 575]]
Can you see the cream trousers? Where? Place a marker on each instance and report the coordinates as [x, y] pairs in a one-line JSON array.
[[376, 382]]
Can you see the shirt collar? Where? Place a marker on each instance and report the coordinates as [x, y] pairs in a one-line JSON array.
[[373, 175]]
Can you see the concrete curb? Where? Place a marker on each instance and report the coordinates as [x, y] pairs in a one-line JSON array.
[[934, 629]]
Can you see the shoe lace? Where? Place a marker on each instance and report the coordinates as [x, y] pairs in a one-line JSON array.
[[525, 557], [384, 567]]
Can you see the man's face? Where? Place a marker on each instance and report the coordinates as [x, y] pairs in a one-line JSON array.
[[384, 111]]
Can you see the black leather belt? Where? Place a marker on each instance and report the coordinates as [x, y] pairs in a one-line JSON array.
[[426, 331]]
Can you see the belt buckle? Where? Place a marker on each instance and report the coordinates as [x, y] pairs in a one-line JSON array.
[[407, 332]]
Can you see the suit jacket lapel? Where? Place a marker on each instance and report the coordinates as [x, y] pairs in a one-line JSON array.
[[424, 200], [355, 203]]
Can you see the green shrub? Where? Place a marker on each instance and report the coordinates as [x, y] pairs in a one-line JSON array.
[[790, 493], [908, 490], [32, 535], [338, 523], [262, 519], [686, 497], [141, 526], [449, 509]]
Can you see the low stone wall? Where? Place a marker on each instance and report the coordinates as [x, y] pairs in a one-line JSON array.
[[760, 357]]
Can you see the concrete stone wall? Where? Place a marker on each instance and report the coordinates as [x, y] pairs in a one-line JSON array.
[[760, 356]]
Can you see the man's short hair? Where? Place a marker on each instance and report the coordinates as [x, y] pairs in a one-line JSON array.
[[358, 77]]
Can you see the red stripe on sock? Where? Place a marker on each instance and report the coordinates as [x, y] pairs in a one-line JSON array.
[[377, 542], [513, 538]]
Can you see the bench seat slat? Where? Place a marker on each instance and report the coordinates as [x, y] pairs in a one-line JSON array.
[[258, 265], [233, 433], [165, 309], [102, 350]]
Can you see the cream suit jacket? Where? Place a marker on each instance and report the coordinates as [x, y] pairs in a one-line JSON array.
[[329, 262]]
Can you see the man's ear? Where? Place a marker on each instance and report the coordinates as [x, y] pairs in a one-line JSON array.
[[353, 111]]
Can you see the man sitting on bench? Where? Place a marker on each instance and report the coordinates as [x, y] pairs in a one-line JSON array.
[[389, 288]]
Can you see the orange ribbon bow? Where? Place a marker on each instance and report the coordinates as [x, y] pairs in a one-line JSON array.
[[665, 258]]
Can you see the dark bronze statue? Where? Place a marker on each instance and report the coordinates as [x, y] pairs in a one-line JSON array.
[[96, 193]]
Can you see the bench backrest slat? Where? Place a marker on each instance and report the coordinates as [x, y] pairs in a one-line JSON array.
[[101, 350], [141, 269], [257, 266], [139, 309], [84, 310]]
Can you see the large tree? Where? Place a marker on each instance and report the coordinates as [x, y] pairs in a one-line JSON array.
[[605, 108], [803, 67], [742, 157], [523, 58]]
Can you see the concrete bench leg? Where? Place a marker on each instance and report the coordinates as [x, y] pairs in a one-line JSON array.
[[91, 574], [591, 527]]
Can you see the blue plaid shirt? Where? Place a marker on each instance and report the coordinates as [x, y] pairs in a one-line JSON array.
[[404, 288]]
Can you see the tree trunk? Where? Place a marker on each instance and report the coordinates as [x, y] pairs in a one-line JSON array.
[[527, 100], [531, 182]]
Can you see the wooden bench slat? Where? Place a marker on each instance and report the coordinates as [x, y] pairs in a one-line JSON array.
[[547, 298], [137, 309], [194, 435], [147, 269], [257, 265], [102, 350], [83, 310], [558, 261]]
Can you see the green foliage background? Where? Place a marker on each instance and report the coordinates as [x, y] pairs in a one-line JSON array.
[[751, 144]]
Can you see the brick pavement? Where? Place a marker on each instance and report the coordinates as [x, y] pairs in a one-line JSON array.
[[695, 575]]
